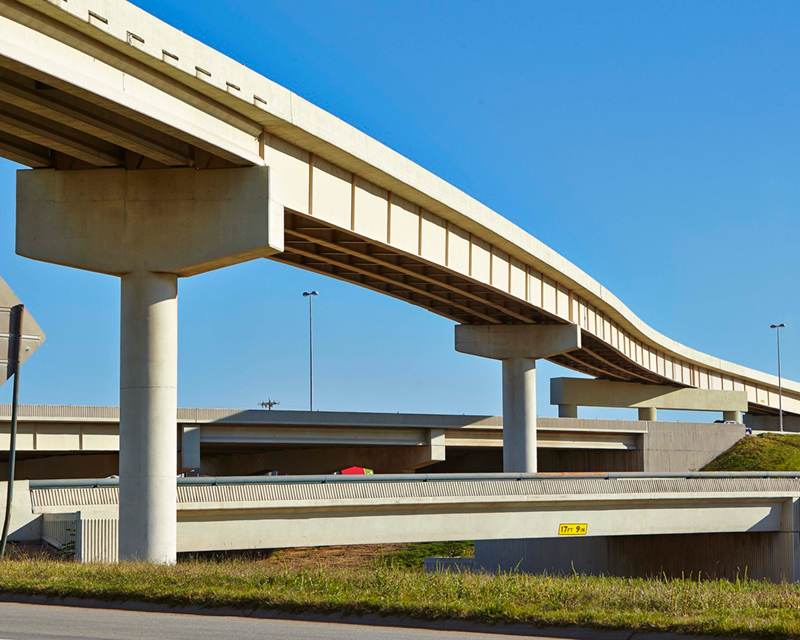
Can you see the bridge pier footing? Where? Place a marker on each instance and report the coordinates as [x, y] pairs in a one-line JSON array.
[[518, 346]]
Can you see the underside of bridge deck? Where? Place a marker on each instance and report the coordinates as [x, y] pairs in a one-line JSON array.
[[312, 244]]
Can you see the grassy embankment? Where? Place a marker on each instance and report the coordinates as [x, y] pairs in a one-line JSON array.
[[767, 452], [745, 609]]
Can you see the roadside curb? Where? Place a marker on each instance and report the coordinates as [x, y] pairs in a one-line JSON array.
[[543, 633]]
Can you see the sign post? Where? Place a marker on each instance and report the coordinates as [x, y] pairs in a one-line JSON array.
[[20, 336]]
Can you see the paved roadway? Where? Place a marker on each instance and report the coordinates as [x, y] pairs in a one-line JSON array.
[[45, 622]]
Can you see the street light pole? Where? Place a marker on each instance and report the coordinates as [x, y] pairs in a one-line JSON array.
[[310, 295], [778, 328]]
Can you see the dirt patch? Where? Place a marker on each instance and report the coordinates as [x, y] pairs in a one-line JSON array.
[[28, 550], [339, 557], [349, 556]]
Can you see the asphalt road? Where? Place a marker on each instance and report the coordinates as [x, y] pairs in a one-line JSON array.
[[46, 622]]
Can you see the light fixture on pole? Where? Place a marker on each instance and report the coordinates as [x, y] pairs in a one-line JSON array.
[[778, 328], [310, 295]]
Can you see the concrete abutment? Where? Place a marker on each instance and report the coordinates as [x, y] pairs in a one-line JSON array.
[[760, 555]]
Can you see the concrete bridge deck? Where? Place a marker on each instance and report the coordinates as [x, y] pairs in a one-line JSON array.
[[90, 84], [256, 513], [69, 441]]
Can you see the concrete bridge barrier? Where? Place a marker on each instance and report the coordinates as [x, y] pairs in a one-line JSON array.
[[714, 523]]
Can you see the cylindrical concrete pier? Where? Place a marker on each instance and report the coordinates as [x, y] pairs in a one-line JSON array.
[[650, 414], [732, 416], [148, 417], [568, 411], [519, 415]]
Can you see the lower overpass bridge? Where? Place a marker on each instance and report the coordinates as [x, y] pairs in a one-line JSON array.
[[629, 523], [83, 441]]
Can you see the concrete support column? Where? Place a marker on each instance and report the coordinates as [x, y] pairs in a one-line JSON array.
[[190, 447], [519, 415], [568, 411], [650, 414], [733, 416], [153, 226], [518, 346], [148, 417]]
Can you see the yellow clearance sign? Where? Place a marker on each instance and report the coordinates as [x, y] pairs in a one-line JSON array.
[[573, 529]]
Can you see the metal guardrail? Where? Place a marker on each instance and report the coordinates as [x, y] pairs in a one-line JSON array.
[[417, 477]]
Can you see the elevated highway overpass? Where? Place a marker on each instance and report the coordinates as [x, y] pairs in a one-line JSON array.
[[721, 524], [117, 113], [76, 441]]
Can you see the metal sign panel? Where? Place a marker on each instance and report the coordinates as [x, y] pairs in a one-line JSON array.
[[32, 335]]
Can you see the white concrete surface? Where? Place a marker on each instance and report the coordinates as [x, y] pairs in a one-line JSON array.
[[76, 429], [179, 221], [148, 406], [519, 415], [501, 342], [332, 510]]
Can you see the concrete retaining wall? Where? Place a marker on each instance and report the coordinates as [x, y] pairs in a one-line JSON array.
[[686, 446]]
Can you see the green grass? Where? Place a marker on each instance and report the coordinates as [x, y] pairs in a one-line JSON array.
[[742, 608], [412, 556], [766, 452]]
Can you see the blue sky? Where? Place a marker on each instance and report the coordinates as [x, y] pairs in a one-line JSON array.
[[656, 145]]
